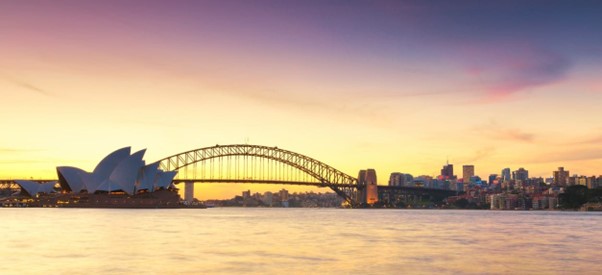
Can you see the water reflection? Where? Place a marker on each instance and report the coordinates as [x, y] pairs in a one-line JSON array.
[[168, 241]]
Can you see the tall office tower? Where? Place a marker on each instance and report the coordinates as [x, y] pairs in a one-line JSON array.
[[492, 178], [506, 174], [447, 171], [520, 174], [371, 188], [467, 172], [561, 177]]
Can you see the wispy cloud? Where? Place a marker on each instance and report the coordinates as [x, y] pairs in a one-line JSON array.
[[507, 69], [479, 154], [514, 134], [26, 85], [496, 131], [569, 155], [596, 139]]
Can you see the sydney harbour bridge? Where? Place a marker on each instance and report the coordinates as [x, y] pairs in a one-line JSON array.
[[255, 164]]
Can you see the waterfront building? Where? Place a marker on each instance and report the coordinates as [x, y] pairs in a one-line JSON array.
[[552, 202], [520, 175], [467, 172], [498, 201], [268, 198], [284, 197], [561, 177], [121, 179], [32, 188], [120, 171]]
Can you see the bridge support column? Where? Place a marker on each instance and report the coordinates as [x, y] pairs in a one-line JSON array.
[[189, 191]]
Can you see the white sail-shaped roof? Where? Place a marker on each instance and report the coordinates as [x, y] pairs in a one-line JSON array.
[[32, 188], [72, 178], [47, 187], [147, 177], [117, 171], [107, 186], [164, 179], [106, 166], [126, 172]]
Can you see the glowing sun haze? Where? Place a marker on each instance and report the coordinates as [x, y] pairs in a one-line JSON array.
[[390, 85]]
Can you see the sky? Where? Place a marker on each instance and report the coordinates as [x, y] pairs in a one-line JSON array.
[[398, 86]]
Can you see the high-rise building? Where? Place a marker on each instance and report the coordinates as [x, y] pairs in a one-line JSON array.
[[447, 172], [520, 174], [395, 178], [467, 172], [371, 188], [492, 178], [506, 174], [400, 179], [591, 182], [561, 177]]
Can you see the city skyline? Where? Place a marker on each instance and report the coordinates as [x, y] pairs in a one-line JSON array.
[[394, 86]]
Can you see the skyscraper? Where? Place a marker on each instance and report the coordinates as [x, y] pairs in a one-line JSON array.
[[506, 174], [467, 172], [447, 172], [520, 174], [561, 177]]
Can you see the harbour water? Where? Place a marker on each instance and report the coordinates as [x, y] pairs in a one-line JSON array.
[[298, 241]]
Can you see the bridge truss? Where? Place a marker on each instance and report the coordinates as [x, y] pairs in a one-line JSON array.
[[243, 163]]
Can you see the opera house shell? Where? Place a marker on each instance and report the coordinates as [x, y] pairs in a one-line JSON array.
[[119, 171], [33, 188]]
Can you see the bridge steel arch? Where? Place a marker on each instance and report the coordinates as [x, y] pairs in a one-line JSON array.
[[344, 185]]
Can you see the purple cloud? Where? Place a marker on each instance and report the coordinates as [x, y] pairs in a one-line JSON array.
[[505, 69]]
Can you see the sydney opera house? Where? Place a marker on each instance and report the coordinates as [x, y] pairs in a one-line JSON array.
[[121, 179]]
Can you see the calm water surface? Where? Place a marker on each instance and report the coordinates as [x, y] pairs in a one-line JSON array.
[[298, 241]]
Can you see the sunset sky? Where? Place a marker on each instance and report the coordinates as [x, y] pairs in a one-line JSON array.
[[391, 85]]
